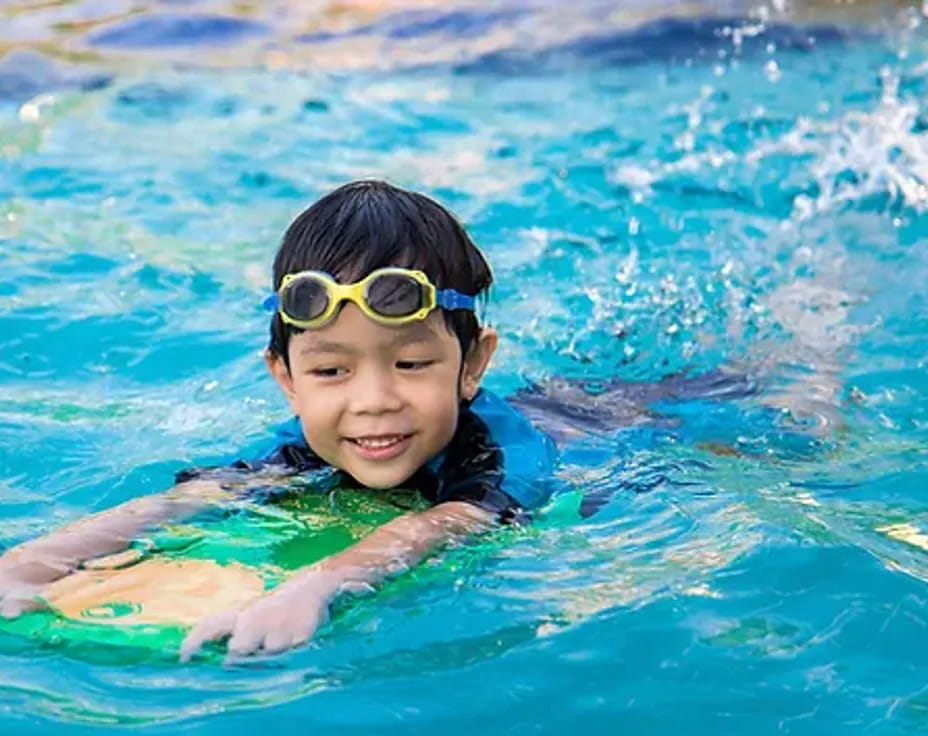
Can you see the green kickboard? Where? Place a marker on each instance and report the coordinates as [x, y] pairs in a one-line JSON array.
[[257, 545]]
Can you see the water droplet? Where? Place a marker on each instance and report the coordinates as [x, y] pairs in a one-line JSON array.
[[772, 70]]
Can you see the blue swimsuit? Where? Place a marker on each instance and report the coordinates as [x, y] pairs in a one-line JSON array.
[[496, 460]]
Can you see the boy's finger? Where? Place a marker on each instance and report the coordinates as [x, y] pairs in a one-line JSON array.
[[297, 633], [209, 629], [279, 640], [247, 637], [10, 608], [308, 627], [19, 603]]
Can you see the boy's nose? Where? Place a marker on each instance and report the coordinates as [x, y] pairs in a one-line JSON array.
[[374, 392]]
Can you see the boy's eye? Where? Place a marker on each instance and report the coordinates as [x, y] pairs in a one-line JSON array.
[[333, 372], [413, 365]]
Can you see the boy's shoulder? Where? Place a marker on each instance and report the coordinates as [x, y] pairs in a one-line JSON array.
[[528, 450], [496, 449]]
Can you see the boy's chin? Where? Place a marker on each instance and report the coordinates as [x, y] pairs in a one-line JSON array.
[[381, 478]]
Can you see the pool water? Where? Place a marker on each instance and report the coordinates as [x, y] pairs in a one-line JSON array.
[[657, 196]]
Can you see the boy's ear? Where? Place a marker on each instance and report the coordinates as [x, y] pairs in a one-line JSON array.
[[281, 375], [476, 362]]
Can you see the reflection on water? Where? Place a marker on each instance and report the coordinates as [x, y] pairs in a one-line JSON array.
[[715, 226], [377, 34]]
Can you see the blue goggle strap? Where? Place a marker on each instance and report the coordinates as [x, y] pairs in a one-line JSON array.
[[451, 299], [271, 303]]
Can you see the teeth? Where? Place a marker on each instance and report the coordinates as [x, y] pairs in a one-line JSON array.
[[378, 442]]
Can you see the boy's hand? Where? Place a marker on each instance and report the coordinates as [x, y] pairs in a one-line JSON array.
[[22, 582], [26, 570], [286, 617], [17, 597], [289, 615]]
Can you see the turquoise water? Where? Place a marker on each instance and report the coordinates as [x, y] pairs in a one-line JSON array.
[[655, 196]]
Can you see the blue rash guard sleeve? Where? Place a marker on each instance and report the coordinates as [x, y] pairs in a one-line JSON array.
[[497, 459]]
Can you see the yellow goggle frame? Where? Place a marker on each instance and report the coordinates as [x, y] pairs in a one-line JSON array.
[[357, 294]]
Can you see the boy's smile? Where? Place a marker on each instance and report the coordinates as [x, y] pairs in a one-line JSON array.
[[379, 402]]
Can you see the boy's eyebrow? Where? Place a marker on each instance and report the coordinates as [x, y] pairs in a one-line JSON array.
[[419, 332], [326, 346]]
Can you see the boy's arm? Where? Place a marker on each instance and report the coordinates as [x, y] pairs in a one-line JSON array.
[[471, 498], [28, 567], [402, 543], [291, 613]]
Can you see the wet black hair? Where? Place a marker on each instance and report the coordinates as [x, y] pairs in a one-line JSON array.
[[369, 224]]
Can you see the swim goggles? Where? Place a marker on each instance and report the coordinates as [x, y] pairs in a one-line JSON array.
[[391, 296]]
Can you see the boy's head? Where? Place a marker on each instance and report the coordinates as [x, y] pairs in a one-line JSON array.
[[366, 225], [375, 400]]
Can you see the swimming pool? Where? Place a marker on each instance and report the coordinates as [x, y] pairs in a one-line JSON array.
[[655, 196]]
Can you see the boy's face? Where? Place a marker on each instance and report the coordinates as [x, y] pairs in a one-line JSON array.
[[379, 402]]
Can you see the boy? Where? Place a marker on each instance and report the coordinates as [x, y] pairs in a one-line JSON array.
[[377, 349]]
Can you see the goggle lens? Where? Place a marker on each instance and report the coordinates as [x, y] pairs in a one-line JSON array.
[[395, 295], [305, 299]]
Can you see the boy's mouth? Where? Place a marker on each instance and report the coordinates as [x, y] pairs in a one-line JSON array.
[[380, 447]]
